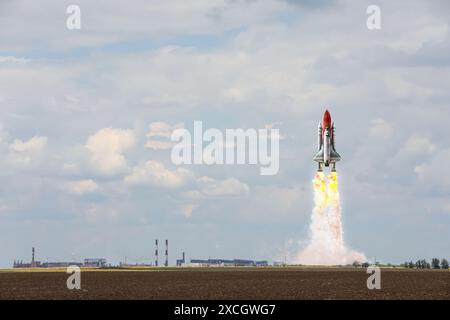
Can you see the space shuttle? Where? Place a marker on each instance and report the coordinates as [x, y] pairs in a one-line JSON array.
[[327, 155]]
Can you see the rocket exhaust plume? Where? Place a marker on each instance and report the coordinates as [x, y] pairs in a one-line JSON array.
[[326, 245]]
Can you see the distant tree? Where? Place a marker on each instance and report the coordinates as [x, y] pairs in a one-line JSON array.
[[419, 264], [436, 263], [444, 264], [356, 264], [365, 265], [424, 264], [411, 265]]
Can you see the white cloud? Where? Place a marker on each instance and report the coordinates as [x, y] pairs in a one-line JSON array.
[[35, 144], [282, 199], [106, 23], [154, 173], [192, 195], [425, 29], [380, 129], [228, 187], [81, 187], [402, 88], [417, 145], [159, 135], [188, 210], [13, 60], [270, 203], [435, 174], [159, 145], [162, 129], [98, 214], [27, 152], [106, 148]]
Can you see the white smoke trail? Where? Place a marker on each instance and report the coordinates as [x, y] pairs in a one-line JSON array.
[[326, 245]]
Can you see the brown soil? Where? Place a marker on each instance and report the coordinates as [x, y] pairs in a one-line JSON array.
[[228, 283]]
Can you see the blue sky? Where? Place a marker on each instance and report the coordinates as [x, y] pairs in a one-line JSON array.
[[79, 111]]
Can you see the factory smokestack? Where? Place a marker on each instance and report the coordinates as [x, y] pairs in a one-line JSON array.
[[32, 258], [156, 252], [167, 254]]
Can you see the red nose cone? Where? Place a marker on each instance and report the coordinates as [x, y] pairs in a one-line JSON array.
[[326, 120]]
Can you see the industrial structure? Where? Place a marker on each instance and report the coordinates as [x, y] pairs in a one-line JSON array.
[[38, 264], [95, 262], [182, 261], [156, 252], [228, 263], [166, 253], [166, 263], [90, 262], [101, 262], [33, 264]]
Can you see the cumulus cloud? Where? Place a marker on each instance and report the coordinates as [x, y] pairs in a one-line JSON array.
[[426, 31], [434, 174], [188, 209], [27, 152], [417, 145], [81, 187], [380, 129], [154, 173], [192, 195], [13, 60], [228, 187], [159, 135], [26, 20], [106, 148]]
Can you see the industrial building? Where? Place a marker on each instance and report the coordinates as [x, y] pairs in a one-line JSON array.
[[101, 262], [182, 261], [95, 262], [38, 264], [228, 263], [22, 264], [60, 264]]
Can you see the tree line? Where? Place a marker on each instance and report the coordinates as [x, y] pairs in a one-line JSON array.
[[419, 264], [424, 264]]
